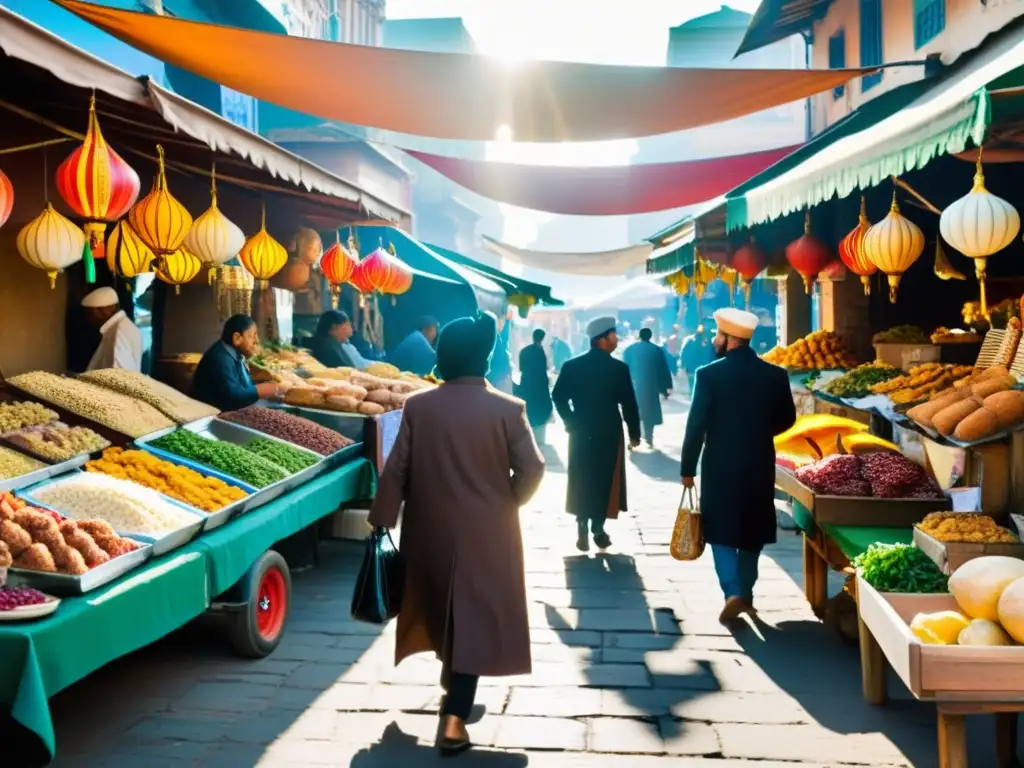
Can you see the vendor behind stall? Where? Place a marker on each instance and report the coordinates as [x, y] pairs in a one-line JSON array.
[[332, 344], [120, 341], [416, 352], [222, 377]]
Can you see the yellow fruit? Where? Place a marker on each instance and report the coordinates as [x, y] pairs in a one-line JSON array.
[[1011, 610], [983, 632], [978, 586], [942, 628]]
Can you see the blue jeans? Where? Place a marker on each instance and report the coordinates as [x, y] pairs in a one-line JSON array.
[[737, 570]]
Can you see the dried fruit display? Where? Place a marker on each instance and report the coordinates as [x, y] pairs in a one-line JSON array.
[[169, 401], [15, 416], [14, 464], [127, 506], [962, 527], [837, 475], [921, 382], [19, 597], [230, 459], [58, 442], [285, 426], [285, 456], [819, 351], [186, 485], [893, 476], [118, 412]]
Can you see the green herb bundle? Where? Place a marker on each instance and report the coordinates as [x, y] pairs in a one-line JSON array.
[[858, 382], [900, 568], [228, 458], [291, 459]]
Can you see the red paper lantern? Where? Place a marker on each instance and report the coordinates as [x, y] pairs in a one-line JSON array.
[[338, 265], [6, 198], [376, 270], [359, 279], [401, 277], [851, 251], [748, 262], [96, 183], [808, 255]]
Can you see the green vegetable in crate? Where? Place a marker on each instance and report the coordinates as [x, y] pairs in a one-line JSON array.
[[901, 334], [291, 459], [900, 568], [858, 382], [230, 459]]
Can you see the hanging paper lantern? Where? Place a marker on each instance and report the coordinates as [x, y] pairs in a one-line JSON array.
[[748, 262], [399, 275], [214, 239], [51, 242], [98, 185], [851, 250], [337, 266], [178, 268], [159, 219], [6, 198], [306, 245], [979, 225], [376, 269], [262, 255], [522, 302], [808, 255], [892, 245], [127, 255], [359, 279]]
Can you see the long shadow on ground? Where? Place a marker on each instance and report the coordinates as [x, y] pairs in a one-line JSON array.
[[397, 748]]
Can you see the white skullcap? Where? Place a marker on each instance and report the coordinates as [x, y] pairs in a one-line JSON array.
[[600, 326], [101, 297], [736, 322]]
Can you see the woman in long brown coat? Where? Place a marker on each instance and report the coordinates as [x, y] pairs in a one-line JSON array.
[[464, 462]]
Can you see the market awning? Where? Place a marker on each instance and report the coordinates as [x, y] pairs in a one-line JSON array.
[[776, 20], [613, 263], [604, 191], [458, 96], [54, 89], [952, 111], [512, 285]]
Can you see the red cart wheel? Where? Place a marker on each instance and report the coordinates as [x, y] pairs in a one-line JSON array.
[[257, 628]]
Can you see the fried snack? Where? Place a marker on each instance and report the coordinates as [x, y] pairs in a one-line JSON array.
[[15, 537], [84, 543], [948, 418], [68, 560], [106, 538], [1008, 407], [925, 412], [977, 426], [371, 409], [965, 528], [36, 558], [346, 389], [36, 523], [306, 396], [5, 556]]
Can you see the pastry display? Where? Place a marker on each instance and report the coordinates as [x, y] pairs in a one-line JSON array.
[[819, 351]]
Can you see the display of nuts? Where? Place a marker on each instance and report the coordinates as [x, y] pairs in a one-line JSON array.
[[14, 464], [58, 442], [165, 399], [15, 416], [285, 426]]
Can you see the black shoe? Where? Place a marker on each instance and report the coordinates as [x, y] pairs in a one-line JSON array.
[[583, 542], [454, 747], [603, 540]]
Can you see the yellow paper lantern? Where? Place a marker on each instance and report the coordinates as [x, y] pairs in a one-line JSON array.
[[178, 268], [214, 239], [51, 242], [893, 245], [979, 225], [158, 218], [730, 278], [127, 255], [262, 256]]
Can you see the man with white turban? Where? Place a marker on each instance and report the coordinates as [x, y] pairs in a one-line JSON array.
[[120, 341], [740, 403]]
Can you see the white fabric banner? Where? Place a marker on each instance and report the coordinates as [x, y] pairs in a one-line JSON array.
[[620, 262]]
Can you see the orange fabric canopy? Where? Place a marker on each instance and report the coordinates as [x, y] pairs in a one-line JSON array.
[[458, 96]]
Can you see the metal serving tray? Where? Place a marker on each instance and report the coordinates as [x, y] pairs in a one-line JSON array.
[[62, 585], [39, 475], [160, 544], [224, 431]]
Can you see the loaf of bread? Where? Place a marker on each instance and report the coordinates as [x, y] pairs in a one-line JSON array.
[[988, 373], [979, 425], [345, 389], [925, 412], [371, 409], [305, 396], [1008, 407], [344, 403], [946, 420], [992, 384]]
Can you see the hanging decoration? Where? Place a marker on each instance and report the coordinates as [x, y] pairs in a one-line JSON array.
[[158, 218], [748, 262], [807, 255], [376, 269], [307, 246], [234, 292], [213, 238], [127, 255], [979, 225], [178, 268], [337, 266], [523, 302], [261, 255], [893, 245], [6, 198], [728, 276], [51, 242], [400, 277], [679, 282], [851, 250]]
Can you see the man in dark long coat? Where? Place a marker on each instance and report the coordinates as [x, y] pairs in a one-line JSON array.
[[593, 395], [740, 403], [652, 380], [534, 387]]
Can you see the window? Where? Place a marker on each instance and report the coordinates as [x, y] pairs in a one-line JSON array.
[[837, 59], [929, 20], [870, 41]]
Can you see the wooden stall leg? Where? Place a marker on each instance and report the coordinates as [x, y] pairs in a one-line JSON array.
[[952, 740], [1006, 740], [821, 569], [810, 571], [873, 667]]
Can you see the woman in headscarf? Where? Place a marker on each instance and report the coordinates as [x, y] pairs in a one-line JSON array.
[[463, 464]]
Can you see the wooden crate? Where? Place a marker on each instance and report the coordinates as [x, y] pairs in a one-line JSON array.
[[950, 555], [938, 672]]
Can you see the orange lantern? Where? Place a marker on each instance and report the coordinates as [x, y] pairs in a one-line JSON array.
[[400, 275], [851, 251], [6, 198], [98, 185], [748, 262], [262, 256], [158, 218], [808, 255], [376, 269], [337, 266], [359, 279]]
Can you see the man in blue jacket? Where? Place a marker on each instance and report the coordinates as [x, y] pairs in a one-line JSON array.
[[415, 353], [222, 377]]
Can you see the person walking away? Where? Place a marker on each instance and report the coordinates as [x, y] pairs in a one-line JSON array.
[[696, 352], [652, 380], [120, 341], [222, 376], [500, 374], [674, 348], [738, 400], [561, 352], [463, 464], [594, 395], [534, 386], [331, 345], [415, 353]]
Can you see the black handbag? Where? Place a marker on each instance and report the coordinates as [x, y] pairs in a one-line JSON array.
[[377, 597]]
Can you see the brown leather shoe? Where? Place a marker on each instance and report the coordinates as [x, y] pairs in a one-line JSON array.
[[454, 736], [734, 608]]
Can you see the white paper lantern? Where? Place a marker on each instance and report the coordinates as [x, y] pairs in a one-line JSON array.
[[51, 242], [893, 245], [214, 239]]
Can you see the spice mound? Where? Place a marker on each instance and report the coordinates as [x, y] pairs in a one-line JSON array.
[[186, 485], [58, 442], [230, 459], [285, 426], [111, 409], [966, 528], [167, 400], [15, 416], [128, 507], [14, 464]]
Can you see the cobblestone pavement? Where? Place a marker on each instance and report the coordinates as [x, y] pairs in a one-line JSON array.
[[629, 659]]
